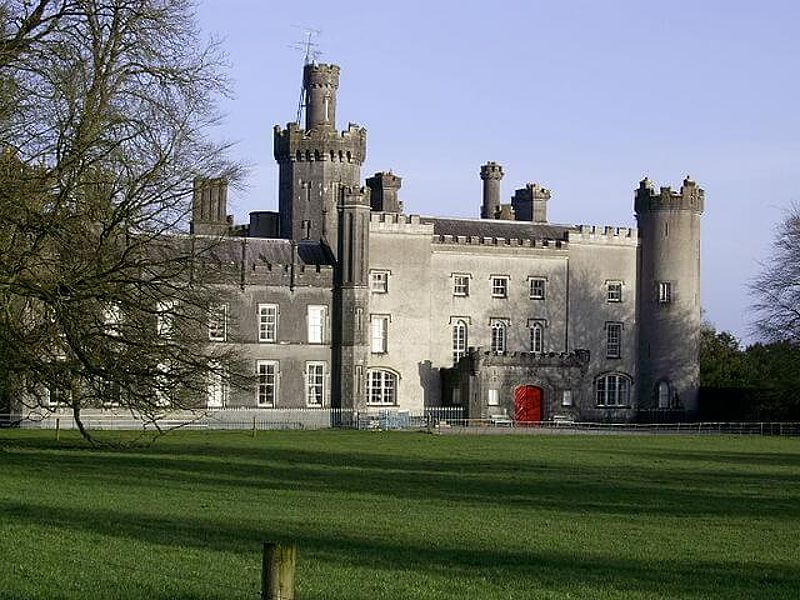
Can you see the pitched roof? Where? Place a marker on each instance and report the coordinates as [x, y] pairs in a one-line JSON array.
[[493, 228]]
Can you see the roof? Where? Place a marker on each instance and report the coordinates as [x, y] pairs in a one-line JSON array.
[[274, 251], [493, 228]]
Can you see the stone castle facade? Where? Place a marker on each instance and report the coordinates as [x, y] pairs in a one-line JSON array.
[[346, 301]]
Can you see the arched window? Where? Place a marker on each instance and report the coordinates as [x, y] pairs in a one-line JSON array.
[[498, 337], [613, 389], [381, 388], [663, 394], [537, 338], [459, 340]]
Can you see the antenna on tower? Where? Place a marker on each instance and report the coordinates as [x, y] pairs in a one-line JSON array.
[[311, 53]]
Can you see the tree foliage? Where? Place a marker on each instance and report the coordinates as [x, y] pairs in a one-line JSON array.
[[105, 108]]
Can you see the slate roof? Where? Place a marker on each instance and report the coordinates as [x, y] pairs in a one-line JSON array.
[[272, 250], [498, 229]]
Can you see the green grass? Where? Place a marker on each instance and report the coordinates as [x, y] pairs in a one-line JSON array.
[[402, 516]]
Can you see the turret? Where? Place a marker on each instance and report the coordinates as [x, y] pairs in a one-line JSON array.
[[383, 189], [491, 174], [530, 203], [209, 206], [669, 295], [320, 83], [316, 162]]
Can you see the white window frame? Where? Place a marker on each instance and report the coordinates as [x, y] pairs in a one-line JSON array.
[[663, 394], [217, 394], [614, 339], [267, 379], [566, 398], [112, 319], [382, 387], [665, 292], [613, 291], [315, 379], [379, 334], [499, 286], [537, 337], [460, 337], [379, 281], [461, 285], [267, 323], [499, 336], [165, 318], [537, 287], [493, 398], [316, 325], [613, 390], [218, 327]]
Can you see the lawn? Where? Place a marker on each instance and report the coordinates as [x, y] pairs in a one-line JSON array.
[[402, 516]]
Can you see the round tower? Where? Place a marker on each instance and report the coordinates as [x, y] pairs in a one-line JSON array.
[[491, 174], [669, 295], [320, 83]]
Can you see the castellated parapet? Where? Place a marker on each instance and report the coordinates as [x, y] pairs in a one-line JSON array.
[[690, 197], [294, 144], [320, 83], [604, 234], [491, 175]]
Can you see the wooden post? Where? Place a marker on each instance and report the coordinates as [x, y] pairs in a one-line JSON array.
[[277, 571], [58, 429], [254, 426]]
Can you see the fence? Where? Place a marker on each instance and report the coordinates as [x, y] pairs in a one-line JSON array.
[[445, 420]]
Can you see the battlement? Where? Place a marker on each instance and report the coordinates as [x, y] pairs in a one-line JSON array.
[[604, 234], [398, 223], [474, 240], [575, 359], [295, 144], [491, 170], [690, 197], [354, 195], [321, 75]]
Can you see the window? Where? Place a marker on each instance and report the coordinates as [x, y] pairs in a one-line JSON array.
[[614, 291], [455, 396], [613, 390], [379, 282], [379, 329], [217, 389], [218, 322], [165, 318], [613, 340], [663, 394], [267, 391], [664, 292], [381, 388], [499, 287], [267, 322], [112, 319], [315, 383], [493, 398], [498, 337], [536, 288], [459, 340], [460, 285], [316, 324], [566, 398], [537, 338]]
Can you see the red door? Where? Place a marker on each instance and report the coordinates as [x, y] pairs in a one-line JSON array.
[[527, 404]]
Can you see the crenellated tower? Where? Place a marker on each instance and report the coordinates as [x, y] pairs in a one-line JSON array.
[[669, 295], [492, 175], [351, 300], [317, 162]]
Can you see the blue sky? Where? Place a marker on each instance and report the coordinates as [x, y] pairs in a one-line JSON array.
[[585, 98]]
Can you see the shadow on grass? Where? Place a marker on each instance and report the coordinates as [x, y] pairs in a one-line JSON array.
[[524, 570]]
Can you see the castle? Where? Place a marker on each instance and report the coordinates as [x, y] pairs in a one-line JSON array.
[[346, 301]]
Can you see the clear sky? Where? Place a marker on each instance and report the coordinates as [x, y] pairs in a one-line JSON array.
[[585, 98]]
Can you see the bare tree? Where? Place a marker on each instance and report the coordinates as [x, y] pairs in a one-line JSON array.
[[777, 288], [105, 107]]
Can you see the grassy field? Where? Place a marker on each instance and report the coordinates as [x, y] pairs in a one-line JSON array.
[[402, 516]]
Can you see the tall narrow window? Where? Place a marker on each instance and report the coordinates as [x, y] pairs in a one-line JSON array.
[[664, 292], [267, 322], [459, 340], [267, 392], [381, 387], [317, 316], [165, 318], [537, 338], [500, 286], [613, 291], [663, 395], [218, 322], [379, 326], [460, 285], [613, 340], [498, 337], [112, 319], [315, 383]]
